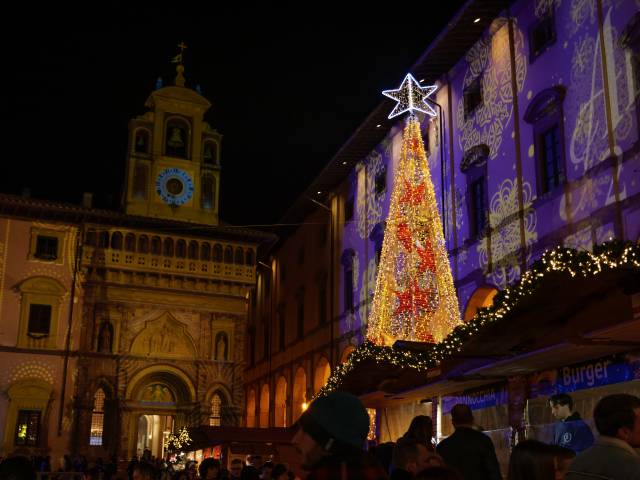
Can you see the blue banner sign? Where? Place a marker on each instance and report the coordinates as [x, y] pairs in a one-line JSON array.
[[595, 373], [476, 399]]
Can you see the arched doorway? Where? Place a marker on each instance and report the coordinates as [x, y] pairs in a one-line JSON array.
[[264, 406], [349, 349], [321, 375], [251, 409], [482, 297], [160, 400], [299, 394], [281, 403]]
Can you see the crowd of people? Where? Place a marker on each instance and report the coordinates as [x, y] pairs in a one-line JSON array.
[[331, 433]]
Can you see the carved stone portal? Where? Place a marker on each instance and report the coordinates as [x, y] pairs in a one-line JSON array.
[[164, 337]]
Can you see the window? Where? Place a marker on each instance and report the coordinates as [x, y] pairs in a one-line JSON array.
[[478, 205], [348, 209], [551, 164], [472, 96], [141, 141], [176, 141], [39, 320], [39, 312], [210, 154], [542, 35], [216, 409], [46, 247], [140, 181], [97, 418], [381, 182], [239, 258], [228, 254], [28, 428], [545, 114], [208, 192]]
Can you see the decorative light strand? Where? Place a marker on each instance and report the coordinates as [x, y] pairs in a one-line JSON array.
[[414, 298], [175, 441], [605, 257]]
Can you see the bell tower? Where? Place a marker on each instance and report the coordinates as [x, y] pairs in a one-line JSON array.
[[173, 159]]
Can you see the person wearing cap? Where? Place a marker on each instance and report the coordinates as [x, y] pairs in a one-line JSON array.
[[330, 437]]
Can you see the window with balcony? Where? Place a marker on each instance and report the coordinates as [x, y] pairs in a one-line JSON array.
[[46, 248], [544, 113]]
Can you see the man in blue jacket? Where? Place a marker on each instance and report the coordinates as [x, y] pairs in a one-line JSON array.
[[571, 431]]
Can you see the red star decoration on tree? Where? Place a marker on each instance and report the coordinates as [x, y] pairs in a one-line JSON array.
[[414, 298], [427, 259], [405, 300], [404, 235], [412, 195], [415, 145]]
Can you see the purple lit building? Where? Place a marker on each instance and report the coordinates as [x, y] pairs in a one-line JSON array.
[[536, 145]]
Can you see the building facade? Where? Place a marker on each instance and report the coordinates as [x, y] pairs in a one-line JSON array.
[[536, 145], [118, 328]]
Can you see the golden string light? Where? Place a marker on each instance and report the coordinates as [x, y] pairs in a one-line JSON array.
[[605, 257], [414, 297]]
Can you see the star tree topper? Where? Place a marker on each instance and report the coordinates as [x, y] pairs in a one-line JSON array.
[[411, 97]]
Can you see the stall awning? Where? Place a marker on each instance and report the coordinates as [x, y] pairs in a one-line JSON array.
[[566, 319]]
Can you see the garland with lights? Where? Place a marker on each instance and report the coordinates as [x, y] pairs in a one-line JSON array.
[[605, 257], [175, 441]]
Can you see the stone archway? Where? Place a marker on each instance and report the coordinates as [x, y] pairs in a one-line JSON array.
[[159, 400]]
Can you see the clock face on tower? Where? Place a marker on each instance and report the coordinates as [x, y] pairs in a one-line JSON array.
[[174, 186]]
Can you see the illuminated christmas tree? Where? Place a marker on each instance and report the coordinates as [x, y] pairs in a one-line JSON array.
[[414, 298]]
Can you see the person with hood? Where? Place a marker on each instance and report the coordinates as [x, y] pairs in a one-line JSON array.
[[330, 437]]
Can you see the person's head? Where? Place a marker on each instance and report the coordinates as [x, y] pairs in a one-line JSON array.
[[563, 458], [411, 455], [265, 470], [280, 472], [337, 422], [561, 405], [256, 461], [619, 416], [17, 468], [91, 474], [235, 468], [439, 472], [209, 469], [180, 475], [143, 471], [461, 415], [249, 473], [531, 460], [421, 428]]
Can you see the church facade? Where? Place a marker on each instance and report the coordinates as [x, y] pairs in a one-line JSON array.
[[118, 328]]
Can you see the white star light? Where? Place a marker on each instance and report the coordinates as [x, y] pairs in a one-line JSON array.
[[411, 97]]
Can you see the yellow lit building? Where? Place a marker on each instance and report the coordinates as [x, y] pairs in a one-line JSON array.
[[117, 328]]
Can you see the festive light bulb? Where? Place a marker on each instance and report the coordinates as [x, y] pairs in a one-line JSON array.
[[411, 97], [605, 257], [414, 297]]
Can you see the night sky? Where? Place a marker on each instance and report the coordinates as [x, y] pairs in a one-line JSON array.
[[288, 85]]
